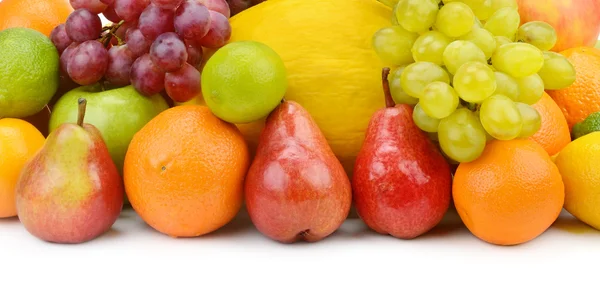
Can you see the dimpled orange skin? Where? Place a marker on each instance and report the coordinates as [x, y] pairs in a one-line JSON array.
[[511, 194], [41, 15], [184, 171], [554, 132]]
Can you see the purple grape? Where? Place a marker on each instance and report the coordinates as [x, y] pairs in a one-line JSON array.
[[88, 63], [111, 15], [219, 32], [130, 10], [108, 2], [167, 4], [146, 77], [120, 59], [168, 52], [192, 20], [59, 38], [195, 54], [82, 25], [137, 43], [94, 6], [65, 56], [220, 6], [155, 21], [183, 84]]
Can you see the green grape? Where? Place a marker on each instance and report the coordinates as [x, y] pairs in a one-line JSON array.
[[455, 19], [477, 23], [474, 82], [394, 18], [460, 52], [461, 135], [424, 121], [399, 96], [501, 40], [532, 121], [500, 117], [499, 4], [392, 45], [484, 10], [389, 3], [416, 15], [439, 100], [507, 86], [538, 33], [483, 39], [430, 47], [418, 75], [518, 59], [557, 72], [504, 22], [531, 89]]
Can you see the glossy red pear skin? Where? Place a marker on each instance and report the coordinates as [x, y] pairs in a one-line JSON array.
[[401, 182], [296, 189], [53, 208]]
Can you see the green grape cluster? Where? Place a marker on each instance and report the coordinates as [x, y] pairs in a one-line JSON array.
[[471, 70]]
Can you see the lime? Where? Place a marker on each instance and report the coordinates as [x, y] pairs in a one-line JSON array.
[[29, 72], [244, 81], [590, 124]]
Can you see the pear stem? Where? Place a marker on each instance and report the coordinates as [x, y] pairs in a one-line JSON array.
[[82, 103], [389, 101]]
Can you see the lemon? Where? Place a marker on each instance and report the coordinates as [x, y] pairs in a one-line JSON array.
[[332, 68], [579, 165], [29, 72]]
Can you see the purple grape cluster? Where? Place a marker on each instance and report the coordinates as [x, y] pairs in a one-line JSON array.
[[154, 45]]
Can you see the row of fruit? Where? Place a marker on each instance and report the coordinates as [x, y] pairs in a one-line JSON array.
[[187, 114]]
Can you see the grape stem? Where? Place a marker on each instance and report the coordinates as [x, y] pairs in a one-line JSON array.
[[105, 40], [389, 101]]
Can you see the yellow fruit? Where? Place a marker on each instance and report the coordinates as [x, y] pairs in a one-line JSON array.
[[332, 68]]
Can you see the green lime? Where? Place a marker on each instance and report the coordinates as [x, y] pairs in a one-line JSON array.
[[29, 72], [244, 81], [590, 124]]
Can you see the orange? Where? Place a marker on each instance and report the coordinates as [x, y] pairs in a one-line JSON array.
[[554, 133], [41, 15], [511, 194], [184, 171], [582, 98], [19, 141]]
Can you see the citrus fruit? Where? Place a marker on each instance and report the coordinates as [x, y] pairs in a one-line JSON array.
[[511, 194], [29, 72], [19, 141], [579, 165], [333, 70], [554, 133], [582, 98], [243, 81], [41, 15], [590, 124], [184, 171]]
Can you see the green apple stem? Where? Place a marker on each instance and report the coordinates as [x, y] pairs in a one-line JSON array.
[[389, 101], [82, 103]]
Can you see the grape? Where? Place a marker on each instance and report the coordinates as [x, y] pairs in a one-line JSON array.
[[474, 82], [195, 54], [120, 59], [82, 25], [500, 117], [393, 45], [418, 75], [219, 6], [124, 28], [424, 121], [184, 84], [499, 4], [507, 86], [168, 52], [455, 19], [65, 56], [518, 59], [137, 43], [219, 31], [398, 94], [155, 21], [146, 77], [416, 15], [394, 19], [538, 33], [167, 4], [94, 6], [87, 63], [192, 20], [459, 52], [111, 14], [130, 10], [501, 40], [531, 89], [461, 136], [438, 100], [430, 46], [532, 121], [504, 22], [557, 72], [483, 10], [59, 38], [483, 39]]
